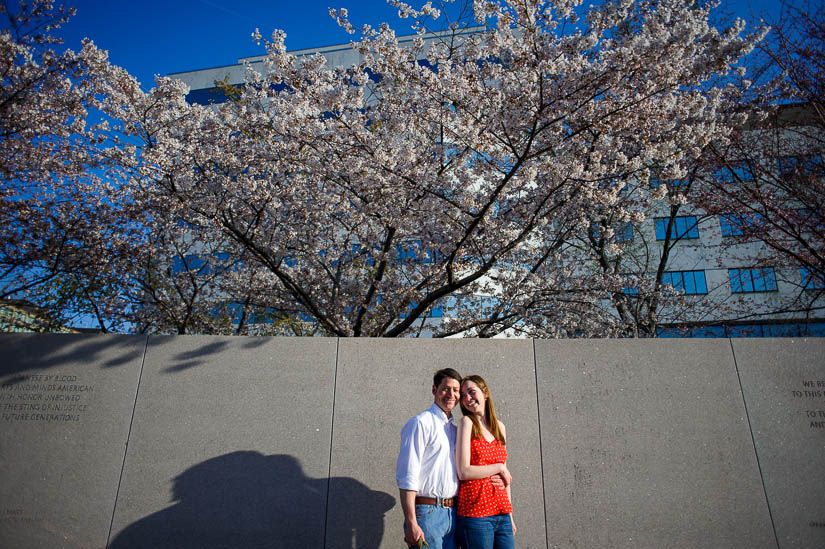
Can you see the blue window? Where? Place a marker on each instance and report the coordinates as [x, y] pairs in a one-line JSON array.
[[306, 317], [810, 219], [815, 329], [624, 232], [435, 311], [689, 282], [412, 251], [800, 164], [208, 265], [752, 280], [187, 263], [630, 289], [737, 224], [708, 331], [783, 330], [361, 253], [615, 182], [702, 331], [736, 171], [787, 164], [655, 181], [684, 226], [409, 252], [669, 331], [745, 330], [213, 96], [811, 280]]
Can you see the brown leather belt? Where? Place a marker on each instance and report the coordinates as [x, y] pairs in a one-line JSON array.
[[421, 500]]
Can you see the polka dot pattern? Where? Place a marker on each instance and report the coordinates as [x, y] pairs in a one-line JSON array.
[[479, 498]]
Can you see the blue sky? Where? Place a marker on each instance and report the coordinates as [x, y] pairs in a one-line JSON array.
[[161, 37]]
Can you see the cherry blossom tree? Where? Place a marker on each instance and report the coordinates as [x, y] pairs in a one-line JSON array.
[[469, 184], [448, 178], [53, 194], [76, 238], [767, 181], [635, 260]]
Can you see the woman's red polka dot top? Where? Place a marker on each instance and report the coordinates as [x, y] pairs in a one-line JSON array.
[[479, 498]]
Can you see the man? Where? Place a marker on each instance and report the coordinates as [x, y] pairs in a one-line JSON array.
[[425, 470]]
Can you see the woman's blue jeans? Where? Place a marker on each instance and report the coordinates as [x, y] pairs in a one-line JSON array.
[[494, 532]]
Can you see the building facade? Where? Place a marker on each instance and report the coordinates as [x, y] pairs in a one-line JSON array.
[[719, 279]]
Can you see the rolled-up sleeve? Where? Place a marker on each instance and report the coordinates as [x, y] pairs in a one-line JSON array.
[[408, 468]]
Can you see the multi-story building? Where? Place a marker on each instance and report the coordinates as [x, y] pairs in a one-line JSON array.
[[22, 316], [728, 286]]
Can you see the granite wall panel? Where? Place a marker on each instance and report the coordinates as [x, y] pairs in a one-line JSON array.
[[229, 444], [66, 403], [783, 381], [646, 444]]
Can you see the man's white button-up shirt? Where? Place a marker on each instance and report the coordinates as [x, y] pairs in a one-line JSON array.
[[426, 463]]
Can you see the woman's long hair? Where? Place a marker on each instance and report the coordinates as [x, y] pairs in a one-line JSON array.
[[490, 408]]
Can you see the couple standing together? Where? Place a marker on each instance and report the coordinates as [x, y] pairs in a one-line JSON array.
[[454, 482]]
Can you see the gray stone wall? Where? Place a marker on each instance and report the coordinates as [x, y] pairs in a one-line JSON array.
[[136, 441]]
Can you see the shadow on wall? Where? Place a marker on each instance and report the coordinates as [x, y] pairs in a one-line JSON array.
[[210, 346], [247, 499], [24, 352]]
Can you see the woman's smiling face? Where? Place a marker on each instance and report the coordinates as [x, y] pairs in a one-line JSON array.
[[473, 398]]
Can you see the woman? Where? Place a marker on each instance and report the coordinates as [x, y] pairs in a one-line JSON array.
[[485, 514]]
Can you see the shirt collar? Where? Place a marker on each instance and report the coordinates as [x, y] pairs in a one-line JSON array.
[[439, 413]]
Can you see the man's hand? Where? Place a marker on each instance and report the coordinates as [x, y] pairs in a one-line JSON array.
[[502, 480], [412, 533], [506, 477], [498, 482]]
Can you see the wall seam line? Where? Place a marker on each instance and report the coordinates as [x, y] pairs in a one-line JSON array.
[[128, 438], [753, 442], [331, 436], [541, 450]]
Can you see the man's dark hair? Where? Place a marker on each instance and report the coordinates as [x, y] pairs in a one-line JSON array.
[[445, 372]]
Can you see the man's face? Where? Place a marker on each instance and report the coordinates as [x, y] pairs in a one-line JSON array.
[[447, 394]]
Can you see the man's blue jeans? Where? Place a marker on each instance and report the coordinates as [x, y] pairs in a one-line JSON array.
[[438, 524], [494, 532]]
